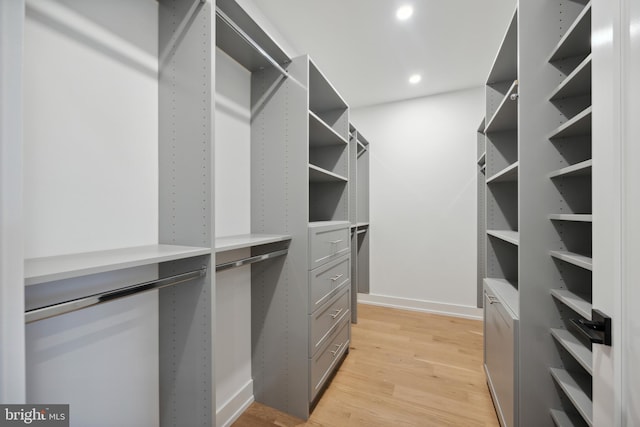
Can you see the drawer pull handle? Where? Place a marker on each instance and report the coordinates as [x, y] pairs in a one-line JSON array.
[[335, 242], [492, 299], [336, 314], [333, 279], [337, 350]]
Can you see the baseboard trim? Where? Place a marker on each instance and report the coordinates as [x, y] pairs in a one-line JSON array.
[[231, 410], [466, 312]]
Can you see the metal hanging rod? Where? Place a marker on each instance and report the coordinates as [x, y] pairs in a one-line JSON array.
[[250, 260], [96, 299], [250, 41]]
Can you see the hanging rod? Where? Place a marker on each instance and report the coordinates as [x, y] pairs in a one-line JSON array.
[[96, 299], [250, 41], [250, 260]]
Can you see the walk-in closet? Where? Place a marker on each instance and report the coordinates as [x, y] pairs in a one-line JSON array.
[[323, 213]]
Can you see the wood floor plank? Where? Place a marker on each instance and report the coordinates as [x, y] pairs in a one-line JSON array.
[[406, 369]]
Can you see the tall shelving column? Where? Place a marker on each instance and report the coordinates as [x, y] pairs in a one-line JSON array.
[[481, 209], [572, 214], [501, 297]]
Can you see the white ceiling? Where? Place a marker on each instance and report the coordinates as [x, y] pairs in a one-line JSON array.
[[369, 55]]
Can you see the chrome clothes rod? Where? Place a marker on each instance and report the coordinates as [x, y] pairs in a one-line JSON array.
[[85, 302], [250, 260], [251, 42]]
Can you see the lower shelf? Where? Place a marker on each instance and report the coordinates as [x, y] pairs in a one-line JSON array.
[[562, 419], [570, 385]]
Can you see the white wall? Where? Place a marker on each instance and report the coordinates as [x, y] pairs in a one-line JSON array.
[[423, 201], [91, 183], [234, 385]]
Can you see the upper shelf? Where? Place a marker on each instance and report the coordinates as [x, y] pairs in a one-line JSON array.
[[48, 269], [510, 173], [580, 124], [509, 236], [322, 95], [321, 134], [575, 84], [579, 169], [577, 39], [235, 45], [317, 174], [242, 241], [505, 65], [506, 115], [572, 217], [574, 258], [574, 301]]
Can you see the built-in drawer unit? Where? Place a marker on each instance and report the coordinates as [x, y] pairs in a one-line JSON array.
[[324, 320], [324, 281], [325, 360], [501, 341], [328, 240]]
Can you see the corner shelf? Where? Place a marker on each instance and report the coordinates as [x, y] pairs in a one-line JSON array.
[[321, 134], [577, 39], [579, 351], [573, 301], [574, 392], [61, 267], [510, 173], [229, 243], [317, 174], [506, 115], [579, 169], [508, 293], [573, 258], [575, 84], [508, 236], [572, 217], [580, 124]]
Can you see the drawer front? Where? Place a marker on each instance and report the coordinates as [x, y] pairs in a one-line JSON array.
[[322, 365], [324, 280], [327, 243], [323, 322], [500, 353]]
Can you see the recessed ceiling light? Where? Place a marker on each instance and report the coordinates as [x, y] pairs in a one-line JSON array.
[[403, 13], [415, 79]]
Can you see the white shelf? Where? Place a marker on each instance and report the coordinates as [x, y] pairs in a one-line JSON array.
[[579, 169], [510, 173], [317, 174], [505, 64], [577, 39], [575, 84], [229, 243], [572, 217], [580, 124], [512, 237], [577, 349], [506, 115], [574, 258], [48, 269], [322, 95], [562, 419], [575, 393], [321, 134], [507, 292], [573, 301], [315, 224]]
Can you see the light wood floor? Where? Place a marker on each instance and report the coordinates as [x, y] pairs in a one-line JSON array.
[[404, 369]]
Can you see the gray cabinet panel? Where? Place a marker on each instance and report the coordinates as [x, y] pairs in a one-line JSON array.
[[324, 320], [327, 242], [322, 364], [324, 280]]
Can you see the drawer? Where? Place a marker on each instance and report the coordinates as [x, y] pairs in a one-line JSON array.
[[325, 320], [501, 340], [322, 365], [328, 242], [326, 279]]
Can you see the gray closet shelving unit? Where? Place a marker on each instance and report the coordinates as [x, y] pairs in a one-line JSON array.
[[539, 262], [299, 304], [481, 209], [185, 222], [359, 215]]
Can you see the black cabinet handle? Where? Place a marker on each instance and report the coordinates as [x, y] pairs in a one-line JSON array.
[[597, 330]]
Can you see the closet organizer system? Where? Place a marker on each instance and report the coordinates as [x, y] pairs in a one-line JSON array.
[[535, 199], [301, 300]]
